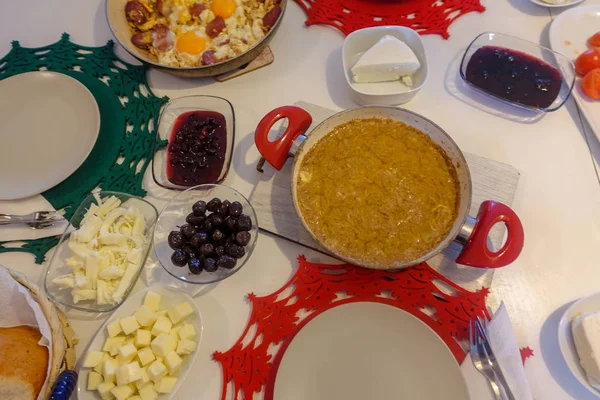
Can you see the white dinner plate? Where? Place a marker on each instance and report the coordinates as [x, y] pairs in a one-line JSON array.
[[568, 35], [565, 337], [368, 351], [566, 4], [169, 297], [49, 123]]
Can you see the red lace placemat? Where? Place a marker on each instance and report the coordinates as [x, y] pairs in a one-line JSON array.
[[444, 306], [424, 16]]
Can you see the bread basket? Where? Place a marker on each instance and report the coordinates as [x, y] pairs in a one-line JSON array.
[[63, 336]]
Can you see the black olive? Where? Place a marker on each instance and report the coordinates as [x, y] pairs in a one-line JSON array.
[[207, 225], [195, 220], [188, 230], [179, 258], [236, 209], [176, 240], [189, 217], [236, 251], [243, 223], [210, 265], [226, 262], [217, 220], [230, 223], [207, 249], [190, 250], [217, 235], [213, 205], [195, 266], [242, 238], [219, 250], [224, 208], [199, 239]]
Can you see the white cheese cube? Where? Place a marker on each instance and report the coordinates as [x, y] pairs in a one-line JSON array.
[[73, 263], [145, 316], [186, 346], [112, 345], [125, 282], [142, 338], [128, 350], [173, 362], [83, 295], [88, 229], [92, 263], [388, 60], [156, 371], [166, 384], [65, 281], [163, 344], [111, 272], [128, 373], [162, 325], [586, 335], [104, 390], [109, 370], [121, 392], [152, 300], [144, 379], [187, 332], [94, 379], [146, 356], [180, 312], [148, 392], [92, 359], [129, 324], [101, 292], [114, 328]]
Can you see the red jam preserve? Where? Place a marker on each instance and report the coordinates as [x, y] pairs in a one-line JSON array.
[[196, 150], [514, 76]]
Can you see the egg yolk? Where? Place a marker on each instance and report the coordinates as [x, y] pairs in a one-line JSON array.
[[190, 43], [223, 8]]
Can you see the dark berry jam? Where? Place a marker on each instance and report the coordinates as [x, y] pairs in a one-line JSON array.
[[196, 150], [514, 76]]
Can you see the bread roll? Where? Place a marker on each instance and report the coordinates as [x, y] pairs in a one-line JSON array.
[[23, 363]]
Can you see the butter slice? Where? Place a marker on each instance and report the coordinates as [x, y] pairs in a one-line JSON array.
[[388, 60], [586, 334]]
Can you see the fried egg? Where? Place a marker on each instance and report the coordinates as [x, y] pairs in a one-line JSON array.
[[223, 8], [191, 42]]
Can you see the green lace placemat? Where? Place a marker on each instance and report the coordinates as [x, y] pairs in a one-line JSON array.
[[128, 116]]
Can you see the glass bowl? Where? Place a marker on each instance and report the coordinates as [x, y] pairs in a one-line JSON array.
[[166, 122], [57, 265], [174, 215], [563, 64]]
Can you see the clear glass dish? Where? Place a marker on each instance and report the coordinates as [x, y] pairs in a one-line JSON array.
[[563, 64], [168, 117], [174, 215], [57, 265]]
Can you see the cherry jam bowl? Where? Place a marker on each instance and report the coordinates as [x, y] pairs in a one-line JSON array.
[[518, 72], [194, 142], [173, 216]]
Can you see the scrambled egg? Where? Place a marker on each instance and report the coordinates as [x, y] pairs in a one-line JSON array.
[[198, 32]]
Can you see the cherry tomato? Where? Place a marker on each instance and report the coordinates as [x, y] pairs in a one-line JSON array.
[[591, 84], [587, 61], [594, 40]]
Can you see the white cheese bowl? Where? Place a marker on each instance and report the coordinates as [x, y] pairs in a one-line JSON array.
[[170, 297], [387, 93]]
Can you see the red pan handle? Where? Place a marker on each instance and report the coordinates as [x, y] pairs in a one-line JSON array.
[[476, 253], [276, 152]]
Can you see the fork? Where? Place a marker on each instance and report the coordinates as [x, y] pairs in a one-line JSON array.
[[481, 360], [36, 220]]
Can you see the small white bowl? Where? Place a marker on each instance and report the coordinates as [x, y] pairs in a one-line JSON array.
[[568, 4], [390, 93]]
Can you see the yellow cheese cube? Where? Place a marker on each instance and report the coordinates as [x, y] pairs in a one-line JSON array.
[[173, 362], [109, 370], [180, 312], [128, 373], [104, 390], [94, 379], [162, 325], [163, 344], [112, 345], [148, 392], [156, 371], [126, 354], [114, 328], [92, 359], [145, 316], [166, 384], [146, 356], [98, 368], [142, 338], [140, 383], [152, 300], [129, 324], [161, 313], [175, 331], [187, 332], [186, 346], [121, 392], [135, 398]]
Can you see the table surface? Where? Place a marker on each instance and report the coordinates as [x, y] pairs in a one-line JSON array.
[[558, 197]]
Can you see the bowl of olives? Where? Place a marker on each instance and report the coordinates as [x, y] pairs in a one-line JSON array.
[[205, 234]]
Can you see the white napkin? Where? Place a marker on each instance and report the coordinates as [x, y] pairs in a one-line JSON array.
[[504, 345], [24, 232], [19, 308]]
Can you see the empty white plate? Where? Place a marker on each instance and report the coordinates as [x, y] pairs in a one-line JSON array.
[[368, 351], [568, 35], [565, 337], [565, 4], [49, 123]]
